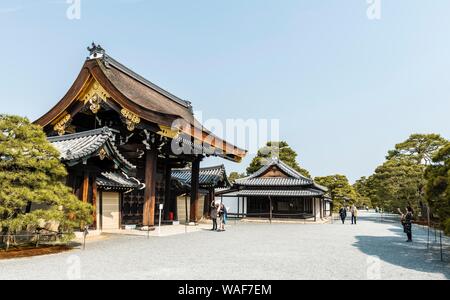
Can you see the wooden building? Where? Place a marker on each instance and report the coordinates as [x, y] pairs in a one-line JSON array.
[[276, 191], [121, 136]]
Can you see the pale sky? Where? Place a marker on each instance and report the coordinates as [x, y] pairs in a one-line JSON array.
[[345, 88]]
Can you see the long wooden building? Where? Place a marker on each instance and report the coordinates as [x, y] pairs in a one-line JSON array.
[[121, 136], [276, 191]]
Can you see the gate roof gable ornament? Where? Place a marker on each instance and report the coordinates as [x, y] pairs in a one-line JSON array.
[[96, 51]]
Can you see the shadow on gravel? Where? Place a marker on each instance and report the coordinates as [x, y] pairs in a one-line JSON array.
[[394, 250]]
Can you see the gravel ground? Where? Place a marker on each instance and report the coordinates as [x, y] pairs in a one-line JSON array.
[[369, 250]]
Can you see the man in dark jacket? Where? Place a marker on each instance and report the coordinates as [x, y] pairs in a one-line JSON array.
[[407, 220], [214, 214], [343, 214]]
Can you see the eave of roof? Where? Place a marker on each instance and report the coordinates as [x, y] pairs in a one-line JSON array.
[[78, 147], [140, 101], [226, 192], [320, 187], [274, 181], [282, 166], [294, 179], [209, 176], [114, 180], [280, 193]]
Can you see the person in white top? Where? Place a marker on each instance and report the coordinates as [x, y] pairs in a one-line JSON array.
[[354, 212]]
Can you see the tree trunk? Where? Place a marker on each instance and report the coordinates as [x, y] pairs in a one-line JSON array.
[[8, 238]]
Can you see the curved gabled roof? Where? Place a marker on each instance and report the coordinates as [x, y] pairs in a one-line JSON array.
[[292, 175], [141, 97], [273, 181], [117, 181], [112, 62], [292, 178], [283, 167], [280, 193], [77, 147], [144, 93], [209, 177]]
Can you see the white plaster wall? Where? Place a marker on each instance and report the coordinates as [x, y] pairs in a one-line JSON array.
[[231, 204], [97, 210], [317, 207], [328, 208]]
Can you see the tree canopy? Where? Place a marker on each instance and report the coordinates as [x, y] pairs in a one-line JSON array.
[[420, 148], [362, 192], [438, 186], [235, 175], [400, 181], [396, 184], [280, 150], [339, 189], [32, 189]]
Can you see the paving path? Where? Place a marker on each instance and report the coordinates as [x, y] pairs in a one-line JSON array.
[[369, 250]]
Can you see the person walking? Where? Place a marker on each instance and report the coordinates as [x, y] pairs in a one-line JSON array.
[[225, 216], [354, 212], [343, 214], [406, 220], [220, 213], [214, 215]]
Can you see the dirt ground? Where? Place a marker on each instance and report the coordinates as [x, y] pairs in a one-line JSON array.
[[27, 251]]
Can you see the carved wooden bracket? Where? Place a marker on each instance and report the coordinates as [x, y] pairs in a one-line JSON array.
[[167, 131], [61, 126], [95, 95], [131, 119], [95, 104], [102, 154]]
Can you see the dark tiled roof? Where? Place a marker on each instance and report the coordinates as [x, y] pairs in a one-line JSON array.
[[114, 180], [209, 177], [227, 192], [295, 184], [281, 193], [294, 179], [74, 148], [184, 141], [273, 181], [320, 187], [186, 145], [283, 167]]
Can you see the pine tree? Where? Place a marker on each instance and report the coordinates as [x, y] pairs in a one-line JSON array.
[[438, 186], [340, 190], [32, 176], [280, 150]]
